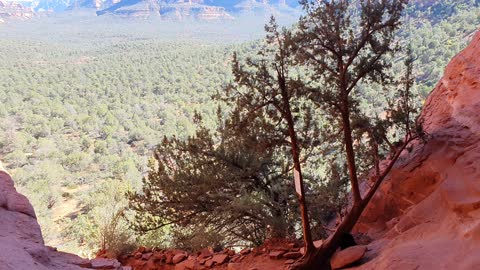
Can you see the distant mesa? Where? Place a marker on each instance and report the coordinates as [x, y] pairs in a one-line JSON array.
[[205, 10], [13, 10], [198, 9], [168, 10]]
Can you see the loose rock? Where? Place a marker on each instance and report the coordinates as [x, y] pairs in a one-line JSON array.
[[347, 256]]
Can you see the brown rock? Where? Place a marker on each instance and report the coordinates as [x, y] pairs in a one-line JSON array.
[[245, 251], [159, 257], [347, 256], [101, 263], [203, 260], [276, 254], [169, 258], [189, 264], [18, 203], [209, 263], [234, 266], [220, 258], [179, 258], [292, 255], [147, 256], [204, 253], [237, 258], [289, 261], [137, 255]]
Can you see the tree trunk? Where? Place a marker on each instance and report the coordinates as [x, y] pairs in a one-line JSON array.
[[320, 258], [298, 177], [347, 136], [297, 170]]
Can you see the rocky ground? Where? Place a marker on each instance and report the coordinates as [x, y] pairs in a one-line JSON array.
[[272, 255]]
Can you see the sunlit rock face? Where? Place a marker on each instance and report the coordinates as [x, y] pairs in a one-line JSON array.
[[21, 243], [14, 11], [206, 10], [426, 215]]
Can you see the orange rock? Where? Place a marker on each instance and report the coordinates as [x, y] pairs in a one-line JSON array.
[[209, 263], [276, 254], [179, 258], [347, 256], [292, 255], [220, 258], [245, 251], [426, 213]]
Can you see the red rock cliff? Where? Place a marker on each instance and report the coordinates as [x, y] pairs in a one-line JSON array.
[[427, 213]]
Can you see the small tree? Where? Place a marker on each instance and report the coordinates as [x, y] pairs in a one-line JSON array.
[[230, 182], [237, 179], [347, 44], [271, 86]]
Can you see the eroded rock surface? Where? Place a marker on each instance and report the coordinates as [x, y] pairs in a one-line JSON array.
[[426, 215], [347, 256], [21, 241]]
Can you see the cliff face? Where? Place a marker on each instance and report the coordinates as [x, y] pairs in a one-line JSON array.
[[21, 242], [426, 215], [175, 10], [12, 10]]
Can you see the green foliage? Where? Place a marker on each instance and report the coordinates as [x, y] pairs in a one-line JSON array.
[[94, 113], [224, 181], [76, 112], [104, 226]]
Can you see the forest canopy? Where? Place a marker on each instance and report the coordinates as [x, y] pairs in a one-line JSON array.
[[78, 115]]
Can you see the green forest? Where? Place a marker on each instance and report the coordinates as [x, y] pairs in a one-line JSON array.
[[80, 120]]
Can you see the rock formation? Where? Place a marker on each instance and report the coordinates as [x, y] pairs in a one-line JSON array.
[[11, 10], [426, 215], [177, 10], [21, 242]]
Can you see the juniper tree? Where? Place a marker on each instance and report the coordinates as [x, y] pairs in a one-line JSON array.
[[271, 86], [237, 179], [346, 44], [233, 181]]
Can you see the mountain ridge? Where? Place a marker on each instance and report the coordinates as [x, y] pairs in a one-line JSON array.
[[198, 9]]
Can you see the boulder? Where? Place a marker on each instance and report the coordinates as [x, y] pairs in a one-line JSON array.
[[18, 203], [21, 242], [210, 263], [147, 256], [292, 255], [276, 254], [101, 263], [179, 258], [347, 256], [220, 258]]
